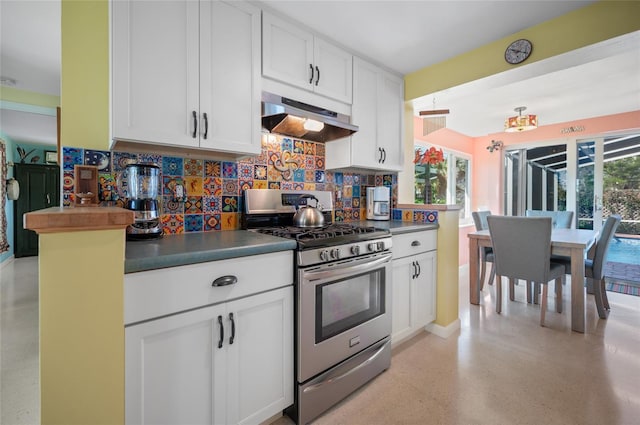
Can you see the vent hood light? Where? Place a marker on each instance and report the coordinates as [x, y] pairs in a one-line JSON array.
[[313, 125], [288, 117]]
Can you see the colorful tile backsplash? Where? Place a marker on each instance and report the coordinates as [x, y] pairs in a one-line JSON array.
[[213, 198]]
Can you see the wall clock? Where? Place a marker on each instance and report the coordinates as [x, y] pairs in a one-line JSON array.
[[518, 51]]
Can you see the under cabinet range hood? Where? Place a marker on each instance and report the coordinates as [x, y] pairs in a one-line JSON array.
[[288, 117]]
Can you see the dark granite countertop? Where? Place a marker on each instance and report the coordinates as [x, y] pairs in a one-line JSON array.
[[191, 248], [398, 227]]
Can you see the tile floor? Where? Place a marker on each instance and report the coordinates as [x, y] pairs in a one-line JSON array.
[[497, 369]]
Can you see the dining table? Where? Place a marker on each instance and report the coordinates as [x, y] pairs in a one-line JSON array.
[[573, 243]]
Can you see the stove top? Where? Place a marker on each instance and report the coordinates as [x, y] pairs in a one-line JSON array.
[[328, 235]]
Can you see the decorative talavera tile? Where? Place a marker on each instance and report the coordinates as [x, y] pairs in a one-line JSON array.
[[193, 223], [347, 178], [378, 180], [298, 146], [68, 181], [211, 222], [169, 184], [260, 172], [120, 160], [212, 186], [230, 187], [387, 180], [338, 178], [309, 176], [171, 206], [67, 198], [101, 159], [397, 215], [321, 186], [71, 157], [260, 184], [319, 162], [229, 221], [347, 191], [212, 204], [286, 144], [320, 151], [245, 184], [309, 186], [172, 224], [329, 176], [286, 185], [355, 202], [356, 179], [245, 171], [229, 170], [407, 215], [339, 215], [172, 166], [347, 203], [348, 214], [297, 186], [432, 217], [355, 192], [273, 185], [213, 169], [419, 216], [150, 158], [229, 204], [273, 175], [319, 176], [356, 214], [193, 205], [309, 162], [262, 159], [309, 148], [298, 175], [193, 167], [194, 186], [106, 187]]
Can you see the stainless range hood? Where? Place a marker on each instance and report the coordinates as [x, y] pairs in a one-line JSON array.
[[281, 115]]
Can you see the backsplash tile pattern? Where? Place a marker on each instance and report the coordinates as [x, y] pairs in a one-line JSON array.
[[213, 189]]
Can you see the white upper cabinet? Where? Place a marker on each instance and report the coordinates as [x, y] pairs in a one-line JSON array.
[[186, 74], [377, 109], [298, 58]]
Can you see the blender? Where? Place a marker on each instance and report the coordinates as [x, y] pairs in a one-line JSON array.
[[142, 189]]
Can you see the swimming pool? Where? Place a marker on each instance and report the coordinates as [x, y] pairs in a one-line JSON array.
[[624, 250]]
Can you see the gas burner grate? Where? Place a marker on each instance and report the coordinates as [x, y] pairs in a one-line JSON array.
[[325, 232]]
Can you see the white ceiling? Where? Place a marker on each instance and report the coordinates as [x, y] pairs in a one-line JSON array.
[[389, 33]]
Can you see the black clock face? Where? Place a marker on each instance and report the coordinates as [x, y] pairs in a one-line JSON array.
[[518, 51]]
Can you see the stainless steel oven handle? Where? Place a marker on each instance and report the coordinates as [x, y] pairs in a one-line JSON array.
[[347, 373], [345, 269]]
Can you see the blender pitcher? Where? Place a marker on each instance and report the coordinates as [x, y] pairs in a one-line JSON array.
[[142, 192]]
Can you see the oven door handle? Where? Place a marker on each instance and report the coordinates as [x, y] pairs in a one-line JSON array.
[[347, 373], [345, 269]]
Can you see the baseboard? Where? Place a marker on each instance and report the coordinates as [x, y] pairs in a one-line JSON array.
[[443, 331]]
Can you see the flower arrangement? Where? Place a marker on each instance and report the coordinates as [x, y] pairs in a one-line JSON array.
[[431, 156]]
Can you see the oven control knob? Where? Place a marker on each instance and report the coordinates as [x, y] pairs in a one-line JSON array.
[[380, 246], [355, 249], [335, 253], [372, 246], [324, 255]]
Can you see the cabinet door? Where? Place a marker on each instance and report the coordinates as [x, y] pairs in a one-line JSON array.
[[390, 122], [39, 189], [155, 58], [287, 52], [424, 294], [261, 356], [175, 370], [230, 77], [333, 71], [403, 316], [364, 113]]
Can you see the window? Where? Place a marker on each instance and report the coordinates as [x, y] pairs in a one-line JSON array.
[[449, 180]]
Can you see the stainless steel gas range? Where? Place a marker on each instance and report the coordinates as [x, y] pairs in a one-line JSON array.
[[342, 287]]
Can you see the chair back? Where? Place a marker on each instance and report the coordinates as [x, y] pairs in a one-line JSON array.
[[602, 245], [480, 219], [560, 219], [522, 246]]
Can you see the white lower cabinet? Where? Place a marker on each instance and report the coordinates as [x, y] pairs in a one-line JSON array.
[[213, 348], [230, 363], [413, 283]]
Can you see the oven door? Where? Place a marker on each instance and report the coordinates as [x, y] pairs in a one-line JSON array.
[[343, 308]]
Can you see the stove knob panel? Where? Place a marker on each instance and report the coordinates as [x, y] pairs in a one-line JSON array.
[[335, 253], [372, 246], [355, 249], [324, 255], [380, 246]]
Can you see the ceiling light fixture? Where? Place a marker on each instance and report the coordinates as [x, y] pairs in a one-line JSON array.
[[521, 122]]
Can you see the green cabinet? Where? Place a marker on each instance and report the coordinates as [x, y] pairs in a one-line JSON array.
[[39, 188]]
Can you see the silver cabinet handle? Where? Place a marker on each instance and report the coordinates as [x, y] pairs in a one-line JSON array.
[[224, 281], [48, 200], [415, 243]]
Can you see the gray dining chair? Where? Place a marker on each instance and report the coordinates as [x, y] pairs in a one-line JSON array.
[[486, 253], [560, 219], [522, 250], [594, 265]]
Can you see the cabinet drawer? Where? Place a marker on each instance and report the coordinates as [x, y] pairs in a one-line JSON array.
[[161, 292], [413, 243]]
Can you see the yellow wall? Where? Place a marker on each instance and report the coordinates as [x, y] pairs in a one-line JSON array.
[[81, 327], [85, 74], [29, 98], [591, 24], [447, 283]]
